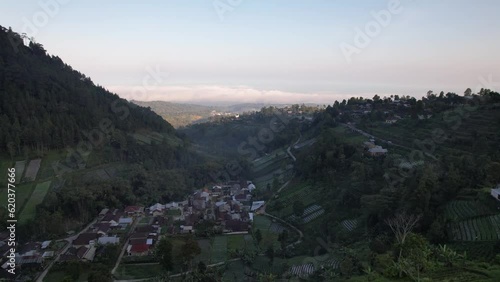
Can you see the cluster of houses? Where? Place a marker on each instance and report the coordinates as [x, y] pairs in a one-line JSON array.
[[32, 254], [229, 207]]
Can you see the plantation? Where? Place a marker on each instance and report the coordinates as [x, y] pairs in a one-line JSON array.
[[460, 210], [349, 224], [477, 229]]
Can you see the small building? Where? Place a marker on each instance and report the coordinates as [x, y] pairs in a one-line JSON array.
[[377, 151], [108, 240], [186, 229], [134, 210], [138, 250], [45, 244], [85, 239], [257, 205]]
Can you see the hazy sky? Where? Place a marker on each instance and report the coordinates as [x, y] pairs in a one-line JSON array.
[[268, 50]]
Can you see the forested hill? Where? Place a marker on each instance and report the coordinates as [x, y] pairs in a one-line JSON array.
[[46, 104]]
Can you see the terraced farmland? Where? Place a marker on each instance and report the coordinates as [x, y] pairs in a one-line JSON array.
[[310, 213], [461, 210], [486, 228], [349, 224]]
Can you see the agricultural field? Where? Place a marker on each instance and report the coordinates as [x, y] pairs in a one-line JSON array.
[[46, 170], [219, 249], [20, 165], [32, 170], [486, 228], [4, 165], [138, 271], [306, 194], [482, 251], [23, 193], [349, 224], [310, 213], [269, 237], [461, 210], [36, 198]]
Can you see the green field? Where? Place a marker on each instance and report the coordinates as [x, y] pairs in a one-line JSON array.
[[4, 165], [138, 271], [461, 210], [46, 171], [36, 198], [23, 193], [219, 249]]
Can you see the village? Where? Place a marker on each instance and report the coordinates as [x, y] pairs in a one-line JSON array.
[[222, 209]]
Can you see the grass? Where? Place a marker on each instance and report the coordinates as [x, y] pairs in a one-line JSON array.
[[23, 193], [4, 165], [219, 249], [173, 212], [36, 198], [235, 242], [138, 271], [46, 171]]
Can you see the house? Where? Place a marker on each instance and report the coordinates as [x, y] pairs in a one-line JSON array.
[[391, 121], [257, 205], [377, 151], [124, 221], [45, 244], [138, 250], [495, 193], [103, 213], [186, 229], [108, 240], [86, 253], [102, 228], [134, 210], [235, 225], [48, 254], [85, 239]]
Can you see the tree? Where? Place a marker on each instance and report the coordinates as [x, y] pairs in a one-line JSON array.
[[347, 266], [401, 225], [468, 92], [270, 254], [164, 253], [190, 249], [298, 208], [258, 236]]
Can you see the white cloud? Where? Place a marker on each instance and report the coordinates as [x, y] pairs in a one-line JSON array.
[[213, 94]]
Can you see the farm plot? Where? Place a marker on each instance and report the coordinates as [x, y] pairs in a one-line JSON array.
[[303, 270], [461, 210], [36, 198], [477, 229], [349, 224], [219, 249], [19, 170], [32, 170], [23, 193], [310, 213], [276, 228]]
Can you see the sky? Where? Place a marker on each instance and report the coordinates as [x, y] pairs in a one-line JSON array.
[[273, 51]]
